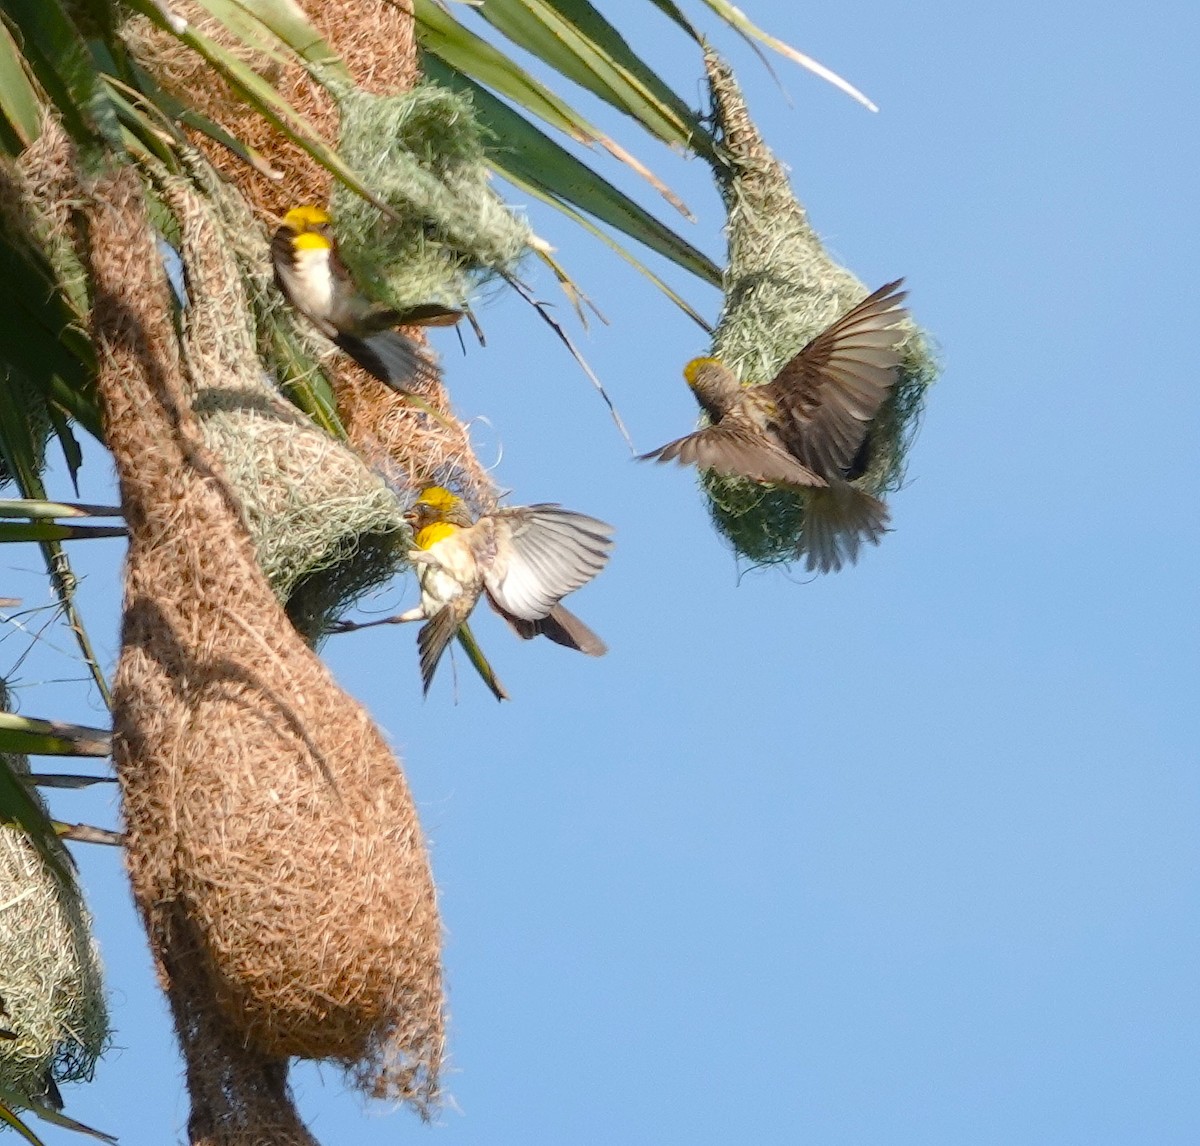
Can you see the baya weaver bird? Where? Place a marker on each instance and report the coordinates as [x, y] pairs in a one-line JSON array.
[[315, 280], [523, 559], [807, 428]]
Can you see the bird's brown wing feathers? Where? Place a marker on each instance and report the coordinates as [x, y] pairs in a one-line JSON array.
[[735, 452], [828, 393], [395, 359], [540, 554]]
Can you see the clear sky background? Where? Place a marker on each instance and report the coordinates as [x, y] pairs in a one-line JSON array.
[[907, 855]]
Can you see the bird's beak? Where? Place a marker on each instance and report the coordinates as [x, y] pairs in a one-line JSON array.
[[409, 516]]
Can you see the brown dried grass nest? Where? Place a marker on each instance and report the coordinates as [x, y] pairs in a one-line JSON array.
[[273, 845]]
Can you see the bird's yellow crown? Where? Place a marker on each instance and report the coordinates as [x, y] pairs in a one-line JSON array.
[[311, 241], [307, 218], [439, 497], [692, 370]]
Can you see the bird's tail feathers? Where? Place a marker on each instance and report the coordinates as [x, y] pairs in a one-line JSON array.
[[837, 522], [432, 640], [437, 633], [562, 627], [470, 646]]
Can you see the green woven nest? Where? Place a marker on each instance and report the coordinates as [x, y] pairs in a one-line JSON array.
[[51, 986], [324, 529], [781, 290], [422, 154]]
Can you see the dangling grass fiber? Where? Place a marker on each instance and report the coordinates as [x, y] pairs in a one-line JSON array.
[[51, 988], [422, 153], [782, 289]]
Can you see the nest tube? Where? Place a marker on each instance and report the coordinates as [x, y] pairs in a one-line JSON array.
[[781, 289]]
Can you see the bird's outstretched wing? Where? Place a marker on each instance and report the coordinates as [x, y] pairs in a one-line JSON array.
[[538, 554], [830, 391], [735, 451], [395, 359]]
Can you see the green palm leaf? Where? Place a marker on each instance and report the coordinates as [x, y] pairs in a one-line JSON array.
[[527, 156]]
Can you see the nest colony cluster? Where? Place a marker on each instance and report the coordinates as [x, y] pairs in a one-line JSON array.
[[240, 506], [263, 807]]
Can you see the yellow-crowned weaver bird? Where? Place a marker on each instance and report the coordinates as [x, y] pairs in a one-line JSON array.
[[317, 283], [524, 559], [808, 427]]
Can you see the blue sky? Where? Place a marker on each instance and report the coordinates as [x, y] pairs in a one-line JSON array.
[[906, 855]]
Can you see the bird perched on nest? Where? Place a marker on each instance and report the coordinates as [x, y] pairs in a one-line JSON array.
[[524, 559], [315, 280], [808, 427]]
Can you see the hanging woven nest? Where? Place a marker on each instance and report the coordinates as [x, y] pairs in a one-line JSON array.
[[273, 844], [782, 289], [422, 154], [52, 1008], [229, 710]]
